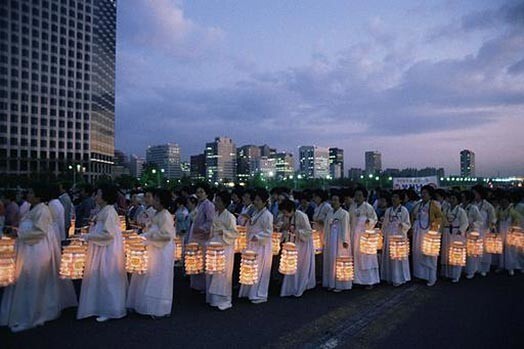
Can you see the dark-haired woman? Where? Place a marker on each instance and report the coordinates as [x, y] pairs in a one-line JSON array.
[[34, 298], [104, 285], [152, 293], [299, 232], [489, 221], [259, 230], [426, 216]]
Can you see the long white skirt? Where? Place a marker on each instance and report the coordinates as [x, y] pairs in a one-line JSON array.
[[449, 271], [305, 278], [424, 267], [366, 265], [104, 285], [34, 298], [393, 271], [259, 290], [152, 293], [198, 281], [332, 250], [219, 286], [67, 294]]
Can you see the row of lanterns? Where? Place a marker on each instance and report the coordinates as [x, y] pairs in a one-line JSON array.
[[73, 260], [7, 261]]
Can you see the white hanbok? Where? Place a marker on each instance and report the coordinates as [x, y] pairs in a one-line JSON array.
[[366, 265], [337, 232], [219, 286], [509, 259], [424, 267], [396, 223], [261, 227], [475, 222], [34, 298], [104, 284], [199, 233], [489, 219], [152, 293], [454, 227], [304, 278]]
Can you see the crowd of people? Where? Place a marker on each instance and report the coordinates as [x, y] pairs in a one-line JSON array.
[[41, 221]]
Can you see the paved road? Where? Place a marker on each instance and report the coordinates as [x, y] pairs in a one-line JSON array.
[[484, 312]]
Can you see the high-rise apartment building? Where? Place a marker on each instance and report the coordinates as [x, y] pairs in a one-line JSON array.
[[221, 160], [373, 162], [167, 158], [336, 163], [314, 161], [467, 163], [57, 86], [248, 159]]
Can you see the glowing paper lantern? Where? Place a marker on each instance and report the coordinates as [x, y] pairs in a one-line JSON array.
[[431, 243], [398, 248], [317, 242], [241, 240], [194, 259], [515, 238], [179, 245], [248, 268], [380, 244], [344, 269], [369, 242], [288, 259], [494, 243], [136, 257], [215, 258], [73, 260], [276, 237], [122, 220], [474, 245], [457, 254], [7, 261]]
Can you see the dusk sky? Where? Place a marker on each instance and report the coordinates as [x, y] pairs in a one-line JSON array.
[[415, 80]]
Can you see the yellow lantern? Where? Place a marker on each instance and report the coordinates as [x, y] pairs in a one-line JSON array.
[[276, 238], [369, 242], [241, 240], [288, 259], [474, 245], [380, 244], [136, 257], [457, 254], [128, 235], [398, 248], [515, 238], [7, 261], [344, 269], [122, 220], [178, 248], [494, 243], [194, 259], [215, 258], [71, 230], [431, 243], [317, 242], [73, 260], [248, 268]]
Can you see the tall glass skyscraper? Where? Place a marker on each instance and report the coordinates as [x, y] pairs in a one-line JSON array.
[[57, 87]]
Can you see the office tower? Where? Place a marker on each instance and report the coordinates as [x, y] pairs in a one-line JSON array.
[[314, 161], [467, 163], [167, 158], [221, 162], [336, 163], [373, 162]]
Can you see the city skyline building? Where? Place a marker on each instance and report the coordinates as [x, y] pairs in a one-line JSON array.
[[221, 162], [197, 167], [136, 165], [373, 162], [336, 163], [248, 159], [57, 87], [284, 165], [314, 161], [167, 158], [467, 163]]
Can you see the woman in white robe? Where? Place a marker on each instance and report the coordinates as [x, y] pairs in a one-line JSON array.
[[223, 230], [259, 231], [362, 218], [507, 218], [152, 293], [103, 292], [396, 223], [475, 222], [336, 244], [489, 221], [454, 226], [34, 298], [300, 233]]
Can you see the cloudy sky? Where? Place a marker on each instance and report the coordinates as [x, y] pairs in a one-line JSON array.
[[415, 80]]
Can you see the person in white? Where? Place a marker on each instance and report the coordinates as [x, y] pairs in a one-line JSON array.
[[152, 293], [300, 233], [69, 209], [396, 223], [454, 226], [362, 218], [336, 244], [507, 219], [34, 298], [475, 222], [224, 231], [103, 292], [426, 215], [489, 221], [145, 217], [259, 230]]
